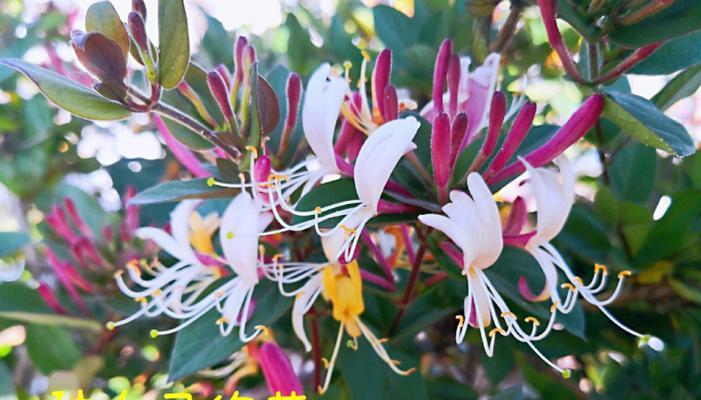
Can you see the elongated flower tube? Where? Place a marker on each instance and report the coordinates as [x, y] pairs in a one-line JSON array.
[[554, 196], [473, 223]]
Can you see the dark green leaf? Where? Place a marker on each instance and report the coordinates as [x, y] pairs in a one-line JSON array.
[[71, 96], [632, 173], [179, 190], [51, 348], [12, 242], [102, 17], [672, 56], [682, 86], [641, 119], [200, 345], [682, 17], [173, 42]]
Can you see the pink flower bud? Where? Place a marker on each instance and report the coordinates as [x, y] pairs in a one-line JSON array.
[[138, 30], [241, 43], [262, 168], [277, 370], [519, 129], [140, 7], [380, 79], [390, 103], [440, 71], [457, 135], [497, 111], [48, 296], [294, 93], [76, 218], [547, 12], [224, 73], [180, 151], [453, 83], [220, 93], [574, 129], [441, 150]]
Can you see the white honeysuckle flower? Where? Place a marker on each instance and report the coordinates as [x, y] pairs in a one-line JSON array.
[[178, 291], [322, 106], [377, 159], [11, 268], [554, 196], [473, 223]]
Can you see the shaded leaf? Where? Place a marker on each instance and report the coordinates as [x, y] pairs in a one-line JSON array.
[[102, 17], [682, 17], [51, 348], [672, 56], [641, 119], [100, 55], [179, 190], [268, 107], [632, 173], [71, 96], [683, 85], [173, 42]]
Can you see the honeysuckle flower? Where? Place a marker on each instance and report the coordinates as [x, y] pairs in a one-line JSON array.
[[377, 159], [469, 92], [11, 268], [554, 196], [337, 282], [178, 291], [473, 223]]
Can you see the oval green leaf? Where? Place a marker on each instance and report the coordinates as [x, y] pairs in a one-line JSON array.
[[173, 42], [641, 119], [71, 96]]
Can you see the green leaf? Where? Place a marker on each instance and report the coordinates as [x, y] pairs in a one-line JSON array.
[[71, 96], [200, 345], [12, 242], [51, 348], [641, 119], [632, 173], [683, 85], [173, 42], [369, 378], [300, 50], [102, 17], [682, 17], [394, 29], [21, 303], [179, 190], [672, 56]]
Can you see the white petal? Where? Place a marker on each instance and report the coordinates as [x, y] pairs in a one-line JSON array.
[[454, 231], [166, 242], [489, 235], [239, 236], [322, 105], [304, 301], [379, 156], [554, 195], [11, 268]]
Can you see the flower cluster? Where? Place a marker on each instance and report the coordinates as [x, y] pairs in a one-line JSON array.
[[375, 133]]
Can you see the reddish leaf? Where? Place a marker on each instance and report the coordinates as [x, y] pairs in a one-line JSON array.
[[100, 55], [268, 106]]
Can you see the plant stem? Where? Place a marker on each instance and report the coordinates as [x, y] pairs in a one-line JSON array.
[[195, 126], [507, 31], [316, 348], [411, 283]]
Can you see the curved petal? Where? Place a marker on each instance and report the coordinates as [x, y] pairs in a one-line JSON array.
[[379, 156], [238, 234], [451, 229], [11, 268], [304, 301], [489, 236], [322, 105], [481, 85]]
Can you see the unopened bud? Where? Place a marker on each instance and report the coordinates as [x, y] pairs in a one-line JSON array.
[[380, 79], [220, 93], [440, 71], [241, 43], [138, 31], [440, 150], [140, 7]]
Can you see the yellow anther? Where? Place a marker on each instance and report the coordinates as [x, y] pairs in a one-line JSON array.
[[276, 257], [299, 294], [600, 267], [533, 319], [495, 331], [210, 181], [141, 300], [508, 314], [253, 150], [365, 54], [553, 307], [222, 320], [568, 286], [623, 274], [461, 320], [579, 280], [110, 325], [395, 362], [156, 292], [381, 341], [153, 333], [118, 273], [347, 230], [230, 235], [317, 210], [566, 374], [325, 361], [264, 329]]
